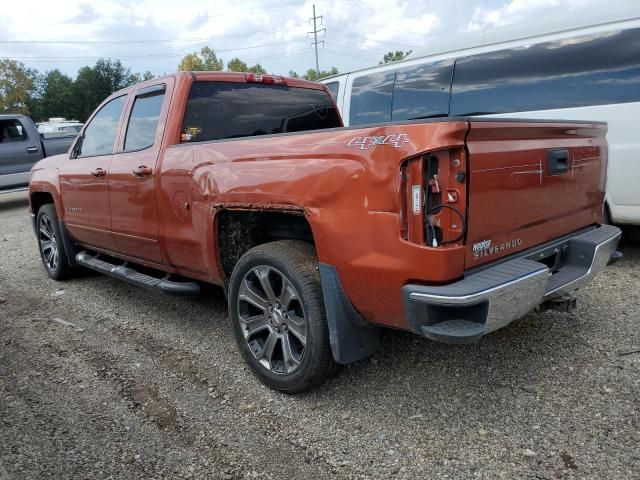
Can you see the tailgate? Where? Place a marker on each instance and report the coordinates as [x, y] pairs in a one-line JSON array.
[[531, 182]]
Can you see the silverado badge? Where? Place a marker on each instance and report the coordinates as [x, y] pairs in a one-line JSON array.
[[486, 248]]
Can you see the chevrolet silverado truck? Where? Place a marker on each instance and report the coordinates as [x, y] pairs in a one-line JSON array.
[[320, 235], [21, 146]]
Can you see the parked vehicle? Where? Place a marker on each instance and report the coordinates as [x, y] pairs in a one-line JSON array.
[[586, 73], [450, 228], [59, 127], [21, 146]]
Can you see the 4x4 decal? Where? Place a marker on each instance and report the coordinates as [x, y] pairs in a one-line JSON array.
[[396, 140]]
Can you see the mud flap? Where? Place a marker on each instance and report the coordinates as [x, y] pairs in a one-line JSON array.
[[351, 338], [69, 246]]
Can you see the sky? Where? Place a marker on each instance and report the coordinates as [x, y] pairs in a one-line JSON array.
[[154, 34]]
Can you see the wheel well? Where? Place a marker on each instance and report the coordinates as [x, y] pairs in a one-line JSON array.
[[38, 199], [240, 230]]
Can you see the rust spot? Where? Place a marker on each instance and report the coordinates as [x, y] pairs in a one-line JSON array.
[[260, 207]]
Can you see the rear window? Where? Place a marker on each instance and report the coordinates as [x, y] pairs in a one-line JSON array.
[[220, 110], [143, 122]]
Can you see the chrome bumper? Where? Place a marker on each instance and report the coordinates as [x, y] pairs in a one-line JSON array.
[[490, 299]]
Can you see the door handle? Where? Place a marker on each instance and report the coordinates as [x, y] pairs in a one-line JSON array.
[[32, 149], [557, 162], [98, 172], [142, 171]]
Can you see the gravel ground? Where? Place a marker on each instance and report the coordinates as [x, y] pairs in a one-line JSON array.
[[102, 380]]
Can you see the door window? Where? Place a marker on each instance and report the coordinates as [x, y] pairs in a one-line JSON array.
[[591, 70], [143, 122], [100, 134], [11, 131], [422, 91], [333, 89], [371, 98]]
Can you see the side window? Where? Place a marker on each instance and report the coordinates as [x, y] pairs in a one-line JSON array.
[[12, 131], [422, 91], [100, 134], [371, 98], [143, 121], [592, 70], [333, 89]]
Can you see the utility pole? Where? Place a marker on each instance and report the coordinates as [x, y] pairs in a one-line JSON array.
[[315, 32]]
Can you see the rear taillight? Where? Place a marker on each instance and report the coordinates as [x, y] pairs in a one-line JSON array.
[[435, 198], [260, 78]]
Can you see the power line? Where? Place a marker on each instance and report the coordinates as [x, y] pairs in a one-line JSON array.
[[149, 57], [128, 15], [360, 49], [362, 37], [160, 55], [348, 55], [315, 32], [117, 42]]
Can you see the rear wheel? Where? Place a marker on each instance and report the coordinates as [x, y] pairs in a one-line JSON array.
[[277, 311], [50, 243]]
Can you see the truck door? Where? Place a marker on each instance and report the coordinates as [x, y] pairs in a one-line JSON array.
[[83, 178], [132, 175], [18, 152]]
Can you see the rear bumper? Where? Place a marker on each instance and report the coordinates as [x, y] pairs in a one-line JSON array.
[[492, 298]]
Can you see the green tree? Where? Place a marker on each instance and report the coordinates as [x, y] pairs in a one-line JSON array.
[[142, 77], [394, 56], [16, 84], [206, 60], [293, 74], [56, 98], [94, 84], [313, 76], [236, 65], [257, 68]]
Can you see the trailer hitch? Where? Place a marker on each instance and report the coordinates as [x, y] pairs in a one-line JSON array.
[[566, 303]]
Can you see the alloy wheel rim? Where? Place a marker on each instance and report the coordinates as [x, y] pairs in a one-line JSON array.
[[272, 319], [48, 243]]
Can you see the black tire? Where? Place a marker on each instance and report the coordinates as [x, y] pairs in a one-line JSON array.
[[630, 235], [51, 244], [290, 270]]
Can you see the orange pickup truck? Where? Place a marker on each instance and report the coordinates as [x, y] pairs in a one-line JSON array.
[[320, 234]]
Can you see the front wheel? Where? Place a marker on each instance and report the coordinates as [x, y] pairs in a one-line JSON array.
[[50, 243], [277, 311]]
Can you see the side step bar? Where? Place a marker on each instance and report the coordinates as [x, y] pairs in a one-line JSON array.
[[129, 274]]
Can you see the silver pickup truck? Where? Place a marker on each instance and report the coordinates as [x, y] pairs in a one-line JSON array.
[[21, 146]]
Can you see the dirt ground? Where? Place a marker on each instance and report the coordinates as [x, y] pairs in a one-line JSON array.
[[99, 379]]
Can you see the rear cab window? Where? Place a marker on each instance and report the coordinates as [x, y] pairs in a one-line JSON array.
[[222, 110]]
